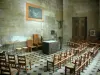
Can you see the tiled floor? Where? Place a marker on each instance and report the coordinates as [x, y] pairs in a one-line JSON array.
[[39, 63]]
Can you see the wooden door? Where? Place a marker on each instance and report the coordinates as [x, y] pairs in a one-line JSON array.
[[75, 25], [79, 28]]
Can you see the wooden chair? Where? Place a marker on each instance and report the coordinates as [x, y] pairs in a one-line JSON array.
[[3, 59], [63, 55], [30, 45], [19, 50], [84, 62], [60, 59], [2, 54], [7, 70], [37, 41], [54, 62], [5, 67], [22, 62], [71, 67], [25, 49], [81, 62], [12, 61]]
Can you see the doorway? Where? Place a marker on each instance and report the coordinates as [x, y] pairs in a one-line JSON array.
[[79, 28]]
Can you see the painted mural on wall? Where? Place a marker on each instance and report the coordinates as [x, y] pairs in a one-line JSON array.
[[34, 12]]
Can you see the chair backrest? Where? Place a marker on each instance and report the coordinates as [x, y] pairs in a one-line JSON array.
[[36, 39], [2, 54], [29, 43], [55, 58], [3, 59], [5, 69], [12, 60]]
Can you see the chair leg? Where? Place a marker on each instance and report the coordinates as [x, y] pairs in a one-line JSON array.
[[74, 71], [30, 65], [25, 67], [65, 70], [47, 65], [53, 67], [60, 65]]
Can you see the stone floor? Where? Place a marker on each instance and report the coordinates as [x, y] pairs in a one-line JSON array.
[[90, 70], [39, 63]]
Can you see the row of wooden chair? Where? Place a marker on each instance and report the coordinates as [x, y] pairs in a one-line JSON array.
[[93, 53], [9, 62], [60, 59], [76, 43], [5, 68], [87, 58], [81, 62], [72, 44], [80, 49]]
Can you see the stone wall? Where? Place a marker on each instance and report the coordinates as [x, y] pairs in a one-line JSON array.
[[79, 8], [15, 27]]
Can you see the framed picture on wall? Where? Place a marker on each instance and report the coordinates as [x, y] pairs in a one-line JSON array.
[[92, 32], [34, 12]]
